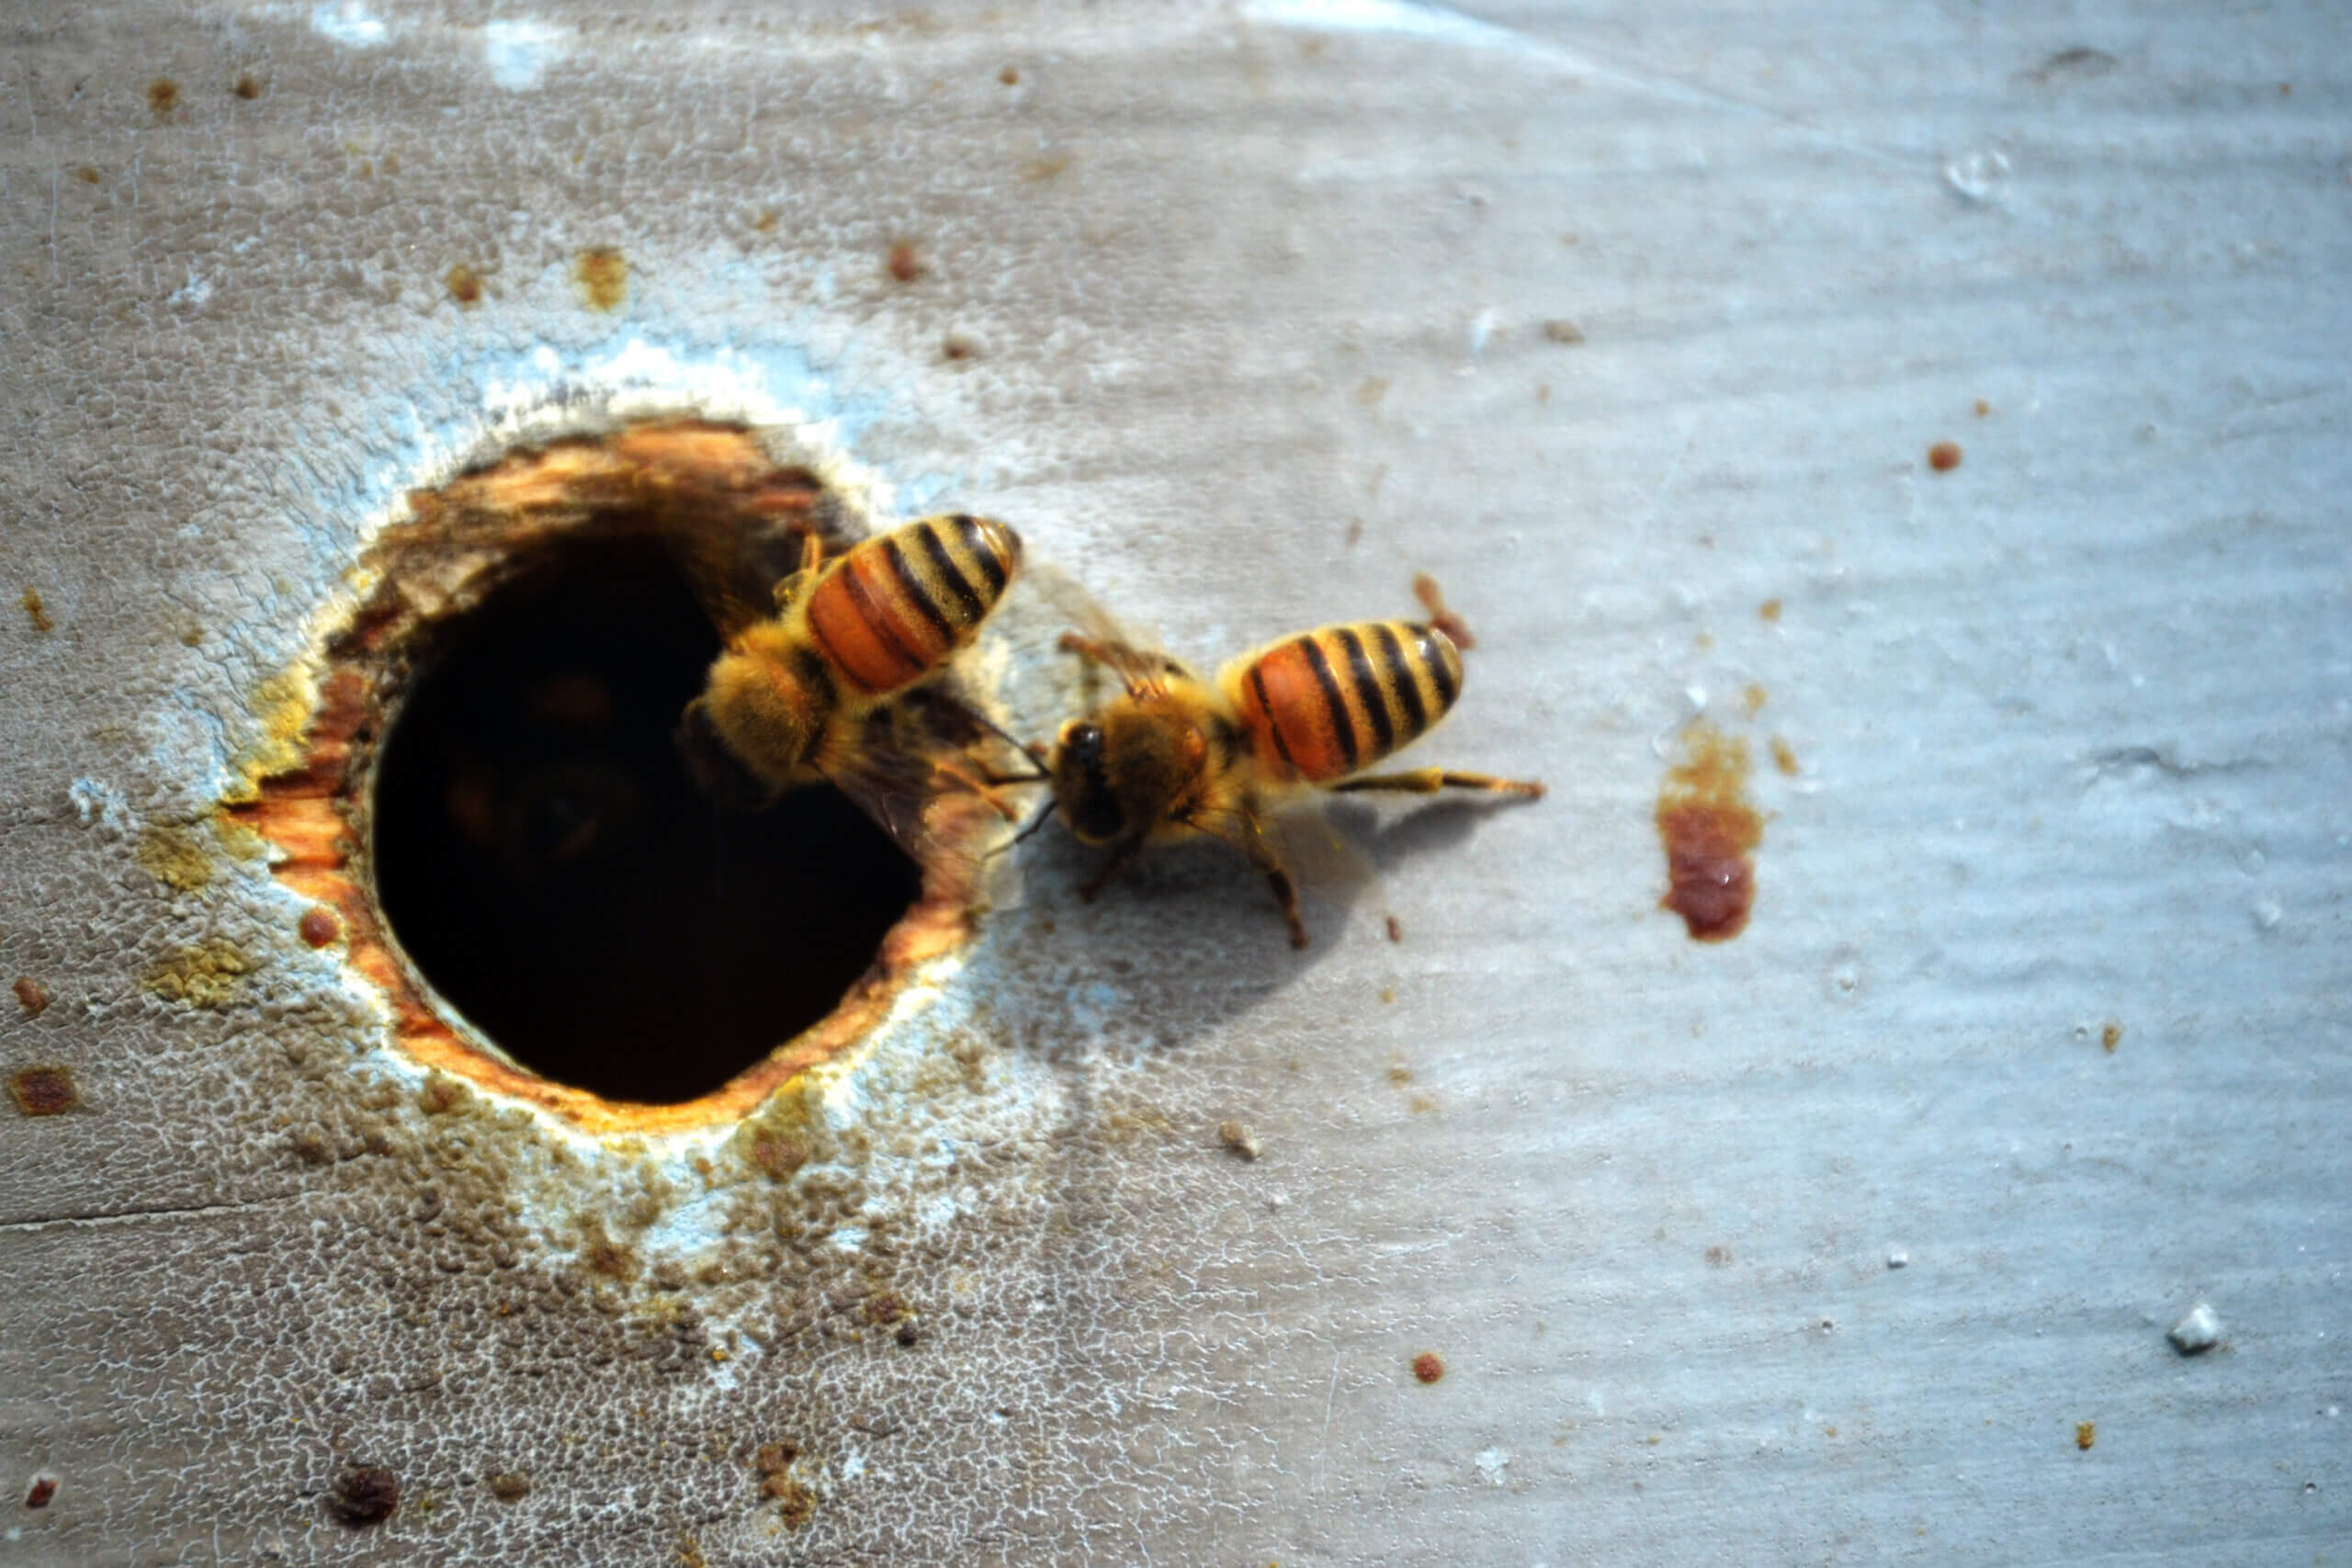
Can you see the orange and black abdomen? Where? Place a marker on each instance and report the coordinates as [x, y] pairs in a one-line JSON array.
[[897, 605], [1326, 703]]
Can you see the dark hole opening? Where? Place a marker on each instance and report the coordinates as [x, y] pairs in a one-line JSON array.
[[544, 860]]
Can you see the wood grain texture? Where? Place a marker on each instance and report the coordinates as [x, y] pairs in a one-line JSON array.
[[1635, 332]]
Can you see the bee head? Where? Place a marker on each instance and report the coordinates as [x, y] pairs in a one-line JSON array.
[[1121, 775]]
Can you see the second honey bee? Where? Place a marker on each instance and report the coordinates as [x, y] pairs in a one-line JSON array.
[[791, 699], [1172, 756]]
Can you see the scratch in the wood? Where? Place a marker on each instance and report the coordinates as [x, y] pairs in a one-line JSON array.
[[1417, 19], [129, 1216]]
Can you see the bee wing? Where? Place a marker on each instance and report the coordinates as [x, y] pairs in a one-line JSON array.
[[734, 561], [1093, 631], [922, 768]]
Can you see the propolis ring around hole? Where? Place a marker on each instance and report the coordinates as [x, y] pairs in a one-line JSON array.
[[486, 794]]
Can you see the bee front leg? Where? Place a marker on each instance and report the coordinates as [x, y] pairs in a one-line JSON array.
[[1428, 780], [1121, 853]]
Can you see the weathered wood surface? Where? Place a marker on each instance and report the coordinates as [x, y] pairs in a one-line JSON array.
[[1259, 304]]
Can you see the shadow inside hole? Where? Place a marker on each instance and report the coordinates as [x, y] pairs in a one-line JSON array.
[[544, 862]]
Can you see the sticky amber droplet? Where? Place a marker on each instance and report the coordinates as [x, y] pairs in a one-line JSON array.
[[464, 284], [44, 1092], [1427, 1367], [603, 277], [1709, 830], [321, 925], [1944, 457], [162, 95]]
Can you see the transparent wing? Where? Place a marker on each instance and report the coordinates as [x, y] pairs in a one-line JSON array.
[[935, 775]]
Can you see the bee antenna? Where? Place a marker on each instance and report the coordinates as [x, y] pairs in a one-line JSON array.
[[1035, 822], [1036, 774]]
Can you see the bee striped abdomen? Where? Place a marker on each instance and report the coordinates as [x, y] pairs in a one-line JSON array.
[[893, 608], [1327, 702]]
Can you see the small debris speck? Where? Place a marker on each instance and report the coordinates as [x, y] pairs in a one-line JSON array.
[[2086, 1434], [44, 1488], [1563, 331], [1237, 1137], [904, 265], [32, 995], [1897, 1257], [38, 611], [1944, 457], [508, 1486], [1396, 929], [1427, 1367], [2110, 1037], [2198, 1331]]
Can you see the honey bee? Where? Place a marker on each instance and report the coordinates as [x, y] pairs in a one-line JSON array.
[[799, 695], [1172, 756]]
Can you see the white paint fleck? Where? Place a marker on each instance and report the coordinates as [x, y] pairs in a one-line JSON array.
[[519, 52], [2198, 1330], [1491, 1464], [2266, 914], [348, 23], [1897, 1258], [1979, 178], [97, 801]]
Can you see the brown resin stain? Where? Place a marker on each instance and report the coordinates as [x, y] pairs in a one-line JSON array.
[[43, 1490], [1045, 166], [465, 284], [364, 1495], [162, 95], [38, 611], [31, 996], [1784, 756], [903, 264], [1009, 75], [303, 779], [1753, 699], [510, 1486], [205, 976], [602, 276], [1427, 1367], [1396, 928], [172, 856], [2110, 1037], [248, 86], [1710, 831], [795, 1505], [2086, 1434], [43, 1091], [1944, 457], [319, 926], [1769, 611], [1563, 331], [1982, 408]]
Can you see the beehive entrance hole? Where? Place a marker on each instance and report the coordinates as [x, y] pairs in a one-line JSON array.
[[543, 859]]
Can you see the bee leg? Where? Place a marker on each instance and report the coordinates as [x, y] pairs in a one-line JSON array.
[[813, 556], [1121, 853], [1093, 649], [982, 782], [1252, 842], [1428, 780]]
